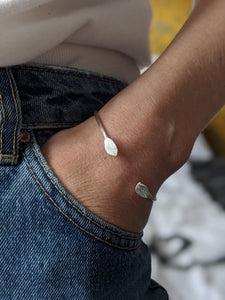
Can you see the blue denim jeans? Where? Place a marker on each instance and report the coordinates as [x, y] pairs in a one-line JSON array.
[[51, 247]]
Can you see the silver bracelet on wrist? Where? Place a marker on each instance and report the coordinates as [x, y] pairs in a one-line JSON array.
[[111, 149], [109, 144]]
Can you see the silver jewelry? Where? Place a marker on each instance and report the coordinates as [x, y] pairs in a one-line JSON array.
[[143, 191], [111, 148], [109, 144]]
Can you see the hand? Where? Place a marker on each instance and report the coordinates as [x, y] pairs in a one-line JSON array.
[[101, 183]]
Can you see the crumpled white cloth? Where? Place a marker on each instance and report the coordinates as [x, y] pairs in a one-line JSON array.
[[109, 37], [10, 7], [185, 211]]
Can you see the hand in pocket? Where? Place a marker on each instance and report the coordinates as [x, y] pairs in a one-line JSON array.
[[101, 183]]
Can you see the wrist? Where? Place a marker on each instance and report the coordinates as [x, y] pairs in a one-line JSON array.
[[148, 133]]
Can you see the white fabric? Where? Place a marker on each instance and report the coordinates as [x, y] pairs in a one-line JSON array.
[[107, 36]]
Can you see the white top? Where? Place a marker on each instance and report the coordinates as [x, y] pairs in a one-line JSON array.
[[107, 36]]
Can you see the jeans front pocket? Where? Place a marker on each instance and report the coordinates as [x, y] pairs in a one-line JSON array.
[[98, 259], [68, 206]]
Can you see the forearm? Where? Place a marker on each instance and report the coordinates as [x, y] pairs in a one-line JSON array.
[[179, 94], [193, 67]]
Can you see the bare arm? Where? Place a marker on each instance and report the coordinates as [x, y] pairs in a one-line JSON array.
[[154, 122]]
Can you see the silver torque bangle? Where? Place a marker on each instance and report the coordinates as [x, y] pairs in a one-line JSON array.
[[111, 149]]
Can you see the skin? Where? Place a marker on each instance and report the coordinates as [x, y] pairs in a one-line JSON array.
[[154, 122]]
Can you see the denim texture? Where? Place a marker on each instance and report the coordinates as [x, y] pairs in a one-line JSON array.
[[51, 247]]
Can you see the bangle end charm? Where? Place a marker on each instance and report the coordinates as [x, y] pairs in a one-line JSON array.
[[110, 147], [143, 191], [109, 144]]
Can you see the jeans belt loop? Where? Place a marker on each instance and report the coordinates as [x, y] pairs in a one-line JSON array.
[[10, 118]]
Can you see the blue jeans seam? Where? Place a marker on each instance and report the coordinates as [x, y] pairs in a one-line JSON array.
[[17, 117], [9, 155], [2, 126], [65, 215], [77, 209]]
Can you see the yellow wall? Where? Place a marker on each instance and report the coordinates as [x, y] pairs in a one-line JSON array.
[[168, 18]]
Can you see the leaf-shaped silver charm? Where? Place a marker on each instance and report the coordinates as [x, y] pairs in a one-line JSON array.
[[110, 147], [143, 191]]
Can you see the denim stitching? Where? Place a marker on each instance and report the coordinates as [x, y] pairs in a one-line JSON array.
[[108, 230], [8, 155], [3, 123], [17, 118], [65, 215], [50, 123], [67, 73]]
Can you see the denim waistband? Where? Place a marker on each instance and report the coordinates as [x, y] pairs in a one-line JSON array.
[[47, 96]]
